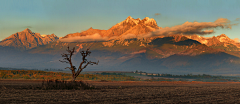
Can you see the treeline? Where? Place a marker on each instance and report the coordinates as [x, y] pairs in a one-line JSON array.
[[36, 74], [9, 68], [182, 76], [187, 77], [136, 79], [199, 76], [105, 73], [46, 69], [53, 69]]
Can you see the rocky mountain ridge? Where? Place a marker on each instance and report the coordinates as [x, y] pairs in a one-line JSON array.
[[128, 26], [172, 53], [219, 42], [27, 39]]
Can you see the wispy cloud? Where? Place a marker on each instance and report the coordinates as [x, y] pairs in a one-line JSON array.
[[191, 28], [87, 38], [128, 36], [156, 14], [188, 28], [236, 40]]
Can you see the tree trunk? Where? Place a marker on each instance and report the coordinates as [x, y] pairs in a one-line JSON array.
[[73, 77], [68, 59]]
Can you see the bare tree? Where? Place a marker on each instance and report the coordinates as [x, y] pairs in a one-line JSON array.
[[83, 64]]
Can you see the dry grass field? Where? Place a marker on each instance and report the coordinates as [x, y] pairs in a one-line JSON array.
[[19, 91]]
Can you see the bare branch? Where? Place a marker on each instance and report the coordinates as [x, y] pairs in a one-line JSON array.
[[81, 68], [67, 58]]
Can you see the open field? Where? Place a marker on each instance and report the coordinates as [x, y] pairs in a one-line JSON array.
[[17, 91]]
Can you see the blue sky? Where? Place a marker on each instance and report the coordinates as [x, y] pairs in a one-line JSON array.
[[62, 17]]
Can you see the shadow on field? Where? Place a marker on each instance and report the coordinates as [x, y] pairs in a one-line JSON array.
[[52, 85], [61, 85]]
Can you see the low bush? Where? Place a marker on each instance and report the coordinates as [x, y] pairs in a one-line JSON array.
[[60, 85]]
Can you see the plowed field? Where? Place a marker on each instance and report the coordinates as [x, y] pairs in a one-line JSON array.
[[12, 91]]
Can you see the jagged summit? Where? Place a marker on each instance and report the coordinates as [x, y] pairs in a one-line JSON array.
[[148, 19], [127, 26], [223, 35], [52, 35], [222, 41], [131, 21], [27, 30], [129, 17]]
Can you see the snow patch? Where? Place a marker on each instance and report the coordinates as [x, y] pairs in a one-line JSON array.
[[222, 39], [43, 35]]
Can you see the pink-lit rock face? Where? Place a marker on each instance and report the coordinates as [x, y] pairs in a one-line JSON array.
[[27, 39], [128, 26], [221, 40]]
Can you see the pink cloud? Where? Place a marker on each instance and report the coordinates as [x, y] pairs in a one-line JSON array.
[[236, 40], [87, 38], [128, 36], [191, 28]]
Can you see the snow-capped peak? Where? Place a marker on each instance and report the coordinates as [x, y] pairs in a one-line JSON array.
[[130, 19], [146, 20], [43, 35], [223, 35]]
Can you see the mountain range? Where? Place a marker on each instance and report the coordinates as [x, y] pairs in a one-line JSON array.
[[121, 49], [27, 39], [128, 26]]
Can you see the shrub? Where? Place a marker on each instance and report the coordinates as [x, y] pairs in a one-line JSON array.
[[58, 85]]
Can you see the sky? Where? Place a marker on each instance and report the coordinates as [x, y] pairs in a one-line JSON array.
[[62, 17]]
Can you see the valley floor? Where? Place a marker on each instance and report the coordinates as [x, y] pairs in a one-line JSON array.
[[14, 91]]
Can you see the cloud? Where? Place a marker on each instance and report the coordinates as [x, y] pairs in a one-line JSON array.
[[113, 37], [222, 20], [128, 36], [156, 14], [236, 40], [87, 38], [191, 28]]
